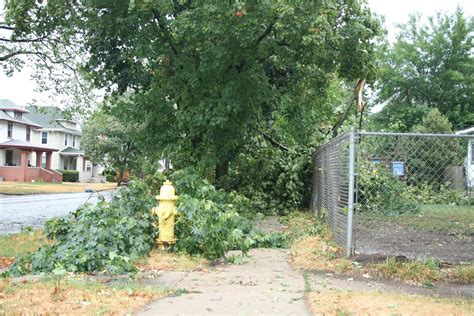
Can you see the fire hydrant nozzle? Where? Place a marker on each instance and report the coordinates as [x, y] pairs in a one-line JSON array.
[[166, 211]]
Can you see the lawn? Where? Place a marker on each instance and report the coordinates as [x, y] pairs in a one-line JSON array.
[[46, 187], [74, 295], [343, 302], [449, 219]]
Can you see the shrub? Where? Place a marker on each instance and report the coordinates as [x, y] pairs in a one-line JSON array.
[[70, 175], [380, 191], [110, 178], [429, 194]]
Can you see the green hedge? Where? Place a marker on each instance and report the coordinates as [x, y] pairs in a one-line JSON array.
[[110, 178], [70, 176]]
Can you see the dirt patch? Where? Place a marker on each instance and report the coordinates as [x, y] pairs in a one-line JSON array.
[[270, 224], [392, 239], [338, 302], [159, 260]]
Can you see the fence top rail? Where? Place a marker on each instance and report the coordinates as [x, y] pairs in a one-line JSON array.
[[363, 133], [333, 140]]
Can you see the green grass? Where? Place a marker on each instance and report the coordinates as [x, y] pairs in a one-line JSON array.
[[15, 245], [450, 219], [22, 188]]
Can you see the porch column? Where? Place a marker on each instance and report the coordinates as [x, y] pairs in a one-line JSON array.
[[39, 155], [49, 154], [23, 165]]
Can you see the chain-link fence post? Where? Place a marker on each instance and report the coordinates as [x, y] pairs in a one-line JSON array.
[[350, 197]]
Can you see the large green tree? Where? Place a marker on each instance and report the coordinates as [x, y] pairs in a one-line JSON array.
[[429, 66], [206, 76]]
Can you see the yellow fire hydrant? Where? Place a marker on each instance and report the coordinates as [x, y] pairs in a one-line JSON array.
[[166, 211]]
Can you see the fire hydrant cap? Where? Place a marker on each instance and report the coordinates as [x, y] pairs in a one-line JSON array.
[[167, 192]]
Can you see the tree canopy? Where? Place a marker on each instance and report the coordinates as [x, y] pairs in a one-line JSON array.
[[430, 66], [204, 76]]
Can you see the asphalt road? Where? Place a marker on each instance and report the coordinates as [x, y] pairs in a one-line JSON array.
[[18, 211]]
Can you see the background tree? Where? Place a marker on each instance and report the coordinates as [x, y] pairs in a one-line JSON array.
[[430, 66], [38, 35], [109, 142]]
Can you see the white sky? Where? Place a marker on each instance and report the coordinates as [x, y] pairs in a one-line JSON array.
[[21, 90]]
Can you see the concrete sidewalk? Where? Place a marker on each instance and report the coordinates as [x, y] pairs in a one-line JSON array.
[[264, 284]]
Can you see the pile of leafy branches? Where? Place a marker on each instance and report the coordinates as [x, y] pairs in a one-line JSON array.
[[105, 237], [275, 181], [109, 236]]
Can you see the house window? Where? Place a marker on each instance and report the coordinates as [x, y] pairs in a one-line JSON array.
[[9, 158], [472, 154], [10, 130], [28, 133], [44, 137], [65, 139], [73, 141], [17, 115]]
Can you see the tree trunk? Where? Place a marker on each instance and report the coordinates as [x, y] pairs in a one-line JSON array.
[[120, 177], [222, 168]]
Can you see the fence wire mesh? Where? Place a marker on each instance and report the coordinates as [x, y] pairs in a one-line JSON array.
[[331, 186], [413, 194]]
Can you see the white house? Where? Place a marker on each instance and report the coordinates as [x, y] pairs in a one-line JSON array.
[[469, 161], [36, 143]]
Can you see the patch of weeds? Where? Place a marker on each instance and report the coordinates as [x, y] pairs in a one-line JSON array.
[[179, 292], [302, 224], [315, 253], [412, 272], [235, 259], [15, 245], [463, 274], [307, 282]]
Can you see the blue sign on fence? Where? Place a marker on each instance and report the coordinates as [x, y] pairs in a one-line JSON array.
[[398, 168]]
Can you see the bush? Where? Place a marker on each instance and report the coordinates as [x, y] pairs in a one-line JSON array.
[[380, 191], [70, 175], [110, 178], [429, 194]]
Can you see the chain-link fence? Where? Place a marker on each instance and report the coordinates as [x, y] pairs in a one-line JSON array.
[[332, 186], [412, 194]]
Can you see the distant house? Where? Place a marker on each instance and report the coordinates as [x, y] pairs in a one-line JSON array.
[[36, 143], [469, 161]]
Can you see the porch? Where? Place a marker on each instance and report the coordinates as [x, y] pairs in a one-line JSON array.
[[16, 162]]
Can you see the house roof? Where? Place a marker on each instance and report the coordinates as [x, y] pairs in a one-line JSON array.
[[45, 116], [50, 117], [15, 143], [71, 151], [6, 104], [4, 116], [466, 131]]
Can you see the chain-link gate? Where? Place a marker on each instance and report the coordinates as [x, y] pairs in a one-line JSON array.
[[398, 194]]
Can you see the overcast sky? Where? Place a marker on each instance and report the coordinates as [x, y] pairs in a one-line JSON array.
[[21, 90]]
